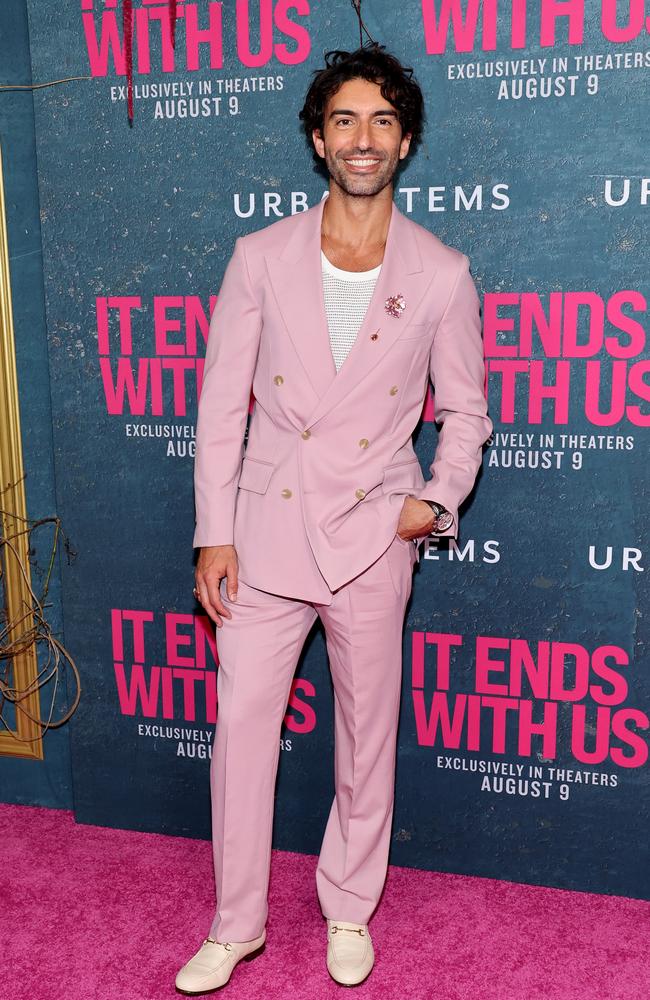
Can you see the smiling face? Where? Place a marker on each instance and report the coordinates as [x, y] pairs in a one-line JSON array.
[[362, 140]]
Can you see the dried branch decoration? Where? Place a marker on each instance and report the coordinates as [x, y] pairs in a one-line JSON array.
[[30, 628], [362, 27]]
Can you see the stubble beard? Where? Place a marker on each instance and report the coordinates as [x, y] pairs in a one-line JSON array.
[[360, 186]]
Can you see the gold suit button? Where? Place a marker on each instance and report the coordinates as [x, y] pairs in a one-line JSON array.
[[360, 493], [364, 442], [278, 379], [306, 434], [286, 494], [393, 390]]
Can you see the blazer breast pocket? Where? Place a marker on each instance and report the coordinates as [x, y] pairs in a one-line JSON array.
[[415, 331], [255, 474]]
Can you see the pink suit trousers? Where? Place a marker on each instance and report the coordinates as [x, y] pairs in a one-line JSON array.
[[258, 650]]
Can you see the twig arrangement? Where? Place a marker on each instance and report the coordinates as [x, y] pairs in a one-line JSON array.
[[31, 628], [362, 27]]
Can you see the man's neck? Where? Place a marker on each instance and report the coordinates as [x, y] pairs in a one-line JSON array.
[[354, 222]]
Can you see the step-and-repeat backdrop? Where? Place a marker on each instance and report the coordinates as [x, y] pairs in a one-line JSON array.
[[523, 741]]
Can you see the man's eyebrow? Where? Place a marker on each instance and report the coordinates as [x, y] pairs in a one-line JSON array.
[[388, 112]]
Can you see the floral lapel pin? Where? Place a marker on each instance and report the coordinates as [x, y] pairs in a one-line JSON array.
[[395, 305]]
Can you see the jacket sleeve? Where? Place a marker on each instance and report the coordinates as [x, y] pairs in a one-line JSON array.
[[230, 360], [457, 370]]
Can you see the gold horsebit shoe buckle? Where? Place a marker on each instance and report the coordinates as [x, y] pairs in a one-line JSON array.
[[226, 944], [355, 930]]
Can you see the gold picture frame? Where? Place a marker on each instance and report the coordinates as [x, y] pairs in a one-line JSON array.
[[15, 578]]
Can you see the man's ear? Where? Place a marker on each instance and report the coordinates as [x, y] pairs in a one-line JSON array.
[[317, 139], [405, 145]]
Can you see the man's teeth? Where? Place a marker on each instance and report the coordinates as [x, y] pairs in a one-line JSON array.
[[361, 163]]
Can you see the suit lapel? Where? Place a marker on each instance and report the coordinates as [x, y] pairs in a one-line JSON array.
[[297, 284]]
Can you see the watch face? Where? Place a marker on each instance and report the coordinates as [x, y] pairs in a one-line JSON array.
[[444, 521]]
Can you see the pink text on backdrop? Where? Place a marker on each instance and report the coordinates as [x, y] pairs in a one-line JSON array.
[[514, 680], [265, 29], [182, 684], [169, 370], [539, 356], [468, 25]]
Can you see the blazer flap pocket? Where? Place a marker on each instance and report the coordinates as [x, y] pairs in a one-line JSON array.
[[255, 474], [406, 475]]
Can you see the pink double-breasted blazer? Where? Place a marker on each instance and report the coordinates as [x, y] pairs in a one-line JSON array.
[[315, 497]]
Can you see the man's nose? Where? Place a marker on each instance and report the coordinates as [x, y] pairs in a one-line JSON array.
[[364, 138]]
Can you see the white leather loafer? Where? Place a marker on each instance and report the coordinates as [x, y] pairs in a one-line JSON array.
[[213, 963], [350, 955]]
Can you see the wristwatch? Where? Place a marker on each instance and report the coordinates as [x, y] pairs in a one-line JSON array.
[[444, 519]]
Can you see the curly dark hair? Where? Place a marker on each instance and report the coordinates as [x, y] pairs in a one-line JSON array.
[[370, 62]]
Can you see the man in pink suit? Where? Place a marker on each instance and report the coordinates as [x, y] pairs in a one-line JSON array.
[[336, 317]]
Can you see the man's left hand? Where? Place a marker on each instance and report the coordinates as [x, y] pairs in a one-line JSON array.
[[416, 519]]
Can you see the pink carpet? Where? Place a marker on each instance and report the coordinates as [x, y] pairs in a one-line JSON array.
[[89, 913]]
